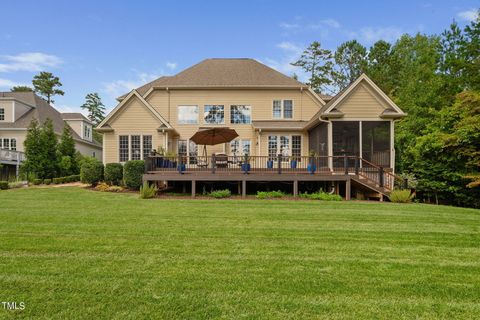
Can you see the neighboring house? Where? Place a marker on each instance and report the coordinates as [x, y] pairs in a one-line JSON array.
[[17, 109], [273, 115]]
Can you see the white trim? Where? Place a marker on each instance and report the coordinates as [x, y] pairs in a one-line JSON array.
[[282, 109], [364, 77], [360, 138], [143, 101], [392, 145], [330, 144]]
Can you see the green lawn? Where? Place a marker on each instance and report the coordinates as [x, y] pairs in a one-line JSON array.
[[69, 253]]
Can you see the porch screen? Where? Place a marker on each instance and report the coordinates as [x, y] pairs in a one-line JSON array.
[[376, 142]]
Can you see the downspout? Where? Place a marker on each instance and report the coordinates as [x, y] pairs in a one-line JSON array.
[[168, 94]]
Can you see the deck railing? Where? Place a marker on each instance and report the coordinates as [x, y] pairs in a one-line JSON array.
[[279, 164], [12, 156]]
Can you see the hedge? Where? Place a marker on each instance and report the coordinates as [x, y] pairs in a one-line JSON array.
[[37, 181], [3, 185], [132, 173], [113, 173], [57, 180], [91, 171], [47, 181]]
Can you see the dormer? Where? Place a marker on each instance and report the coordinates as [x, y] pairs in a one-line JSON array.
[[80, 124], [11, 109]]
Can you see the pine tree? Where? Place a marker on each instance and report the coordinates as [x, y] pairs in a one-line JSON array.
[[33, 150], [66, 153], [21, 89], [48, 142], [46, 85], [95, 108]]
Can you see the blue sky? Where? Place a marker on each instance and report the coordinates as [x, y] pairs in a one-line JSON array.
[[110, 47]]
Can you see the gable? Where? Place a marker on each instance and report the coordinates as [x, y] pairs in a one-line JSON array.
[[134, 115], [362, 102]]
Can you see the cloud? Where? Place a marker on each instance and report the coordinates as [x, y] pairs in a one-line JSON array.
[[290, 52], [119, 87], [29, 61], [289, 26], [331, 23], [372, 34], [171, 65], [5, 83], [468, 15]]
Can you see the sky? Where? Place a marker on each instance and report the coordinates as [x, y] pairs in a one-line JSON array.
[[111, 47]]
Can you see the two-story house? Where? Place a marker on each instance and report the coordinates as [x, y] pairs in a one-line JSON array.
[[273, 115], [18, 109]]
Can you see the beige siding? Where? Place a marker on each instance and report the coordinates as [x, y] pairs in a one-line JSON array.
[[362, 103], [88, 150], [8, 109], [76, 125]]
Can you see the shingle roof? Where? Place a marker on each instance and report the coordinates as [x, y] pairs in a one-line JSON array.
[[225, 73], [41, 111], [73, 116]]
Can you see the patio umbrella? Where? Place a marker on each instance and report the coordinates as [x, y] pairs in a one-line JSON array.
[[213, 136]]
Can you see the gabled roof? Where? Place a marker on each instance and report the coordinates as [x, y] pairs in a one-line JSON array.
[[329, 110], [224, 73], [131, 95], [40, 110]]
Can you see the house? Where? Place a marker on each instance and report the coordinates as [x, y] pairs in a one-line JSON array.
[[348, 137], [17, 109]]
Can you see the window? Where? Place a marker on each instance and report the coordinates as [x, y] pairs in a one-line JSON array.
[[297, 147], [187, 114], [214, 114], [277, 109], [6, 144], [13, 144], [285, 146], [272, 147], [123, 148], [147, 146], [240, 114], [235, 147], [287, 109], [135, 147], [192, 152], [86, 131], [2, 114], [182, 148], [282, 109]]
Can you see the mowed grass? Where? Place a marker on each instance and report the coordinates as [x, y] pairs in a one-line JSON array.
[[69, 253]]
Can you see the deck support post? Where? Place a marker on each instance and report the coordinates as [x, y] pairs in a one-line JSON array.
[[295, 188], [194, 185], [239, 187], [348, 189], [244, 188]]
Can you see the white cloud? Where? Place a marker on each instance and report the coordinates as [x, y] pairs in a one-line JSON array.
[[289, 26], [29, 61], [468, 15], [171, 65], [290, 53], [331, 23], [119, 87], [370, 35], [5, 83]]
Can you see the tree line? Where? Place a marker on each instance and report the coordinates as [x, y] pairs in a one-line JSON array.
[[436, 80]]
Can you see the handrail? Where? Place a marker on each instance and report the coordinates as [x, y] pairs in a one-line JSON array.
[[12, 155]]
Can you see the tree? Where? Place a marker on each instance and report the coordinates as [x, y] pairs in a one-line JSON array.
[[46, 85], [21, 89], [350, 62], [95, 108], [48, 141], [317, 62], [66, 153], [33, 150], [379, 65]]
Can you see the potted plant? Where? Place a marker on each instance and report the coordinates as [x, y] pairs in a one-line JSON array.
[[269, 164], [293, 162], [312, 167], [169, 160], [181, 166], [245, 163]]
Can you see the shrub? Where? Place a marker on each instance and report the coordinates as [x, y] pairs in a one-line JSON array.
[[3, 185], [320, 195], [148, 191], [91, 171], [102, 187], [47, 181], [269, 194], [37, 181], [132, 173], [401, 196], [220, 194], [74, 178], [115, 189], [16, 184], [57, 180], [113, 173]]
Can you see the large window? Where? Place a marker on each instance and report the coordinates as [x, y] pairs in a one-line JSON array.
[[135, 147], [192, 152], [286, 146], [240, 114], [282, 109], [214, 114], [2, 114], [6, 144], [187, 114], [123, 148], [147, 146], [376, 142]]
